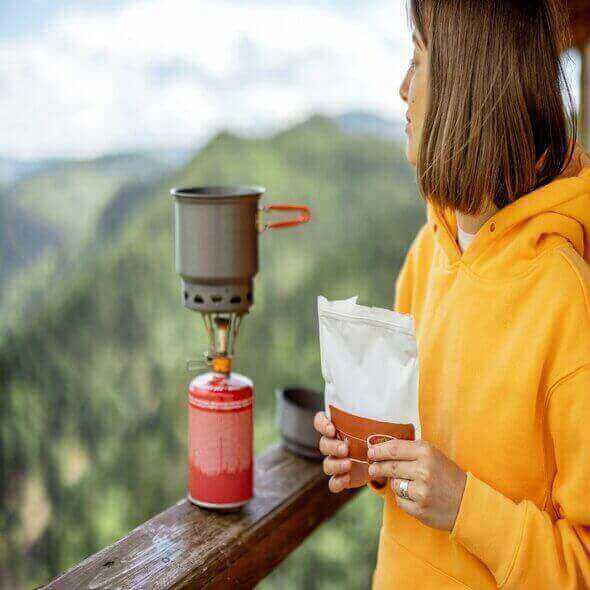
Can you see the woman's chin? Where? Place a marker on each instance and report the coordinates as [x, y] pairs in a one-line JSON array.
[[410, 154]]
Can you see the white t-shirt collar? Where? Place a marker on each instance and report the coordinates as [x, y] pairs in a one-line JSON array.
[[464, 238]]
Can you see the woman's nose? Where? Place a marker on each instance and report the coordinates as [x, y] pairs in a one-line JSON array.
[[403, 89]]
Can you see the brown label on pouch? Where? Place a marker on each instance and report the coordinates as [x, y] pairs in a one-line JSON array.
[[355, 430]]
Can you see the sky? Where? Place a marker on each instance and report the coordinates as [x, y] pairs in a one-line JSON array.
[[80, 79]]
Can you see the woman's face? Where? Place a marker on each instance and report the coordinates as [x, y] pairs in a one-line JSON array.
[[414, 92]]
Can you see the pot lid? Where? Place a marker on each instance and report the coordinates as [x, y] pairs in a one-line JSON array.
[[217, 192]]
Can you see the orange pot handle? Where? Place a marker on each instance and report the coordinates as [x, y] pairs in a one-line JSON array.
[[303, 217]]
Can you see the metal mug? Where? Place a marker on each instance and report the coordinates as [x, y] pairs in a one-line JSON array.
[[216, 243]]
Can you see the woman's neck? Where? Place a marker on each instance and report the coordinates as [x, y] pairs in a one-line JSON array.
[[471, 223]]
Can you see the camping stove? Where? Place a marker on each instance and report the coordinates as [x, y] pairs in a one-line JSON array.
[[216, 255]]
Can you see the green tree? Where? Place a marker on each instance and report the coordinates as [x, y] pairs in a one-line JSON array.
[[92, 375]]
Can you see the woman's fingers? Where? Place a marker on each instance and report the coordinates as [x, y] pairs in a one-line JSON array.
[[323, 425], [408, 506], [418, 500], [413, 488], [334, 466], [401, 469], [338, 483], [332, 446], [405, 450], [339, 469]]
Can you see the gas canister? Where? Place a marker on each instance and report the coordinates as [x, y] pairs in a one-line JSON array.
[[220, 464]]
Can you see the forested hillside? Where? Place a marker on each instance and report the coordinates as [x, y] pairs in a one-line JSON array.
[[93, 379], [51, 211]]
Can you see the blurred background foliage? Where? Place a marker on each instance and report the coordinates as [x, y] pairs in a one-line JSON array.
[[94, 337]]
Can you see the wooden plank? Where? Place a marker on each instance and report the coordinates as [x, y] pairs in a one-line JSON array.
[[190, 547]]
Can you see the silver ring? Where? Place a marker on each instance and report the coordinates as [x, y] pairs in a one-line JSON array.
[[403, 489]]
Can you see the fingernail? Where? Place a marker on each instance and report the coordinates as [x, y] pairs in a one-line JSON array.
[[372, 470], [342, 447], [371, 454]]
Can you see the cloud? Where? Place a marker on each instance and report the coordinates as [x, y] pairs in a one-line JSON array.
[[172, 72], [163, 73]]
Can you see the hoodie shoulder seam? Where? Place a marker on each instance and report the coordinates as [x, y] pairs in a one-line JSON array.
[[562, 253]]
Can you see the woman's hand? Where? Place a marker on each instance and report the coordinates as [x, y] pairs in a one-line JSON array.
[[436, 483], [335, 464]]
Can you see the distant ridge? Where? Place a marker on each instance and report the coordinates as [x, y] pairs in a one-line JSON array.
[[367, 123]]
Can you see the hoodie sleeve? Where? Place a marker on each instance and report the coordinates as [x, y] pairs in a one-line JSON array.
[[522, 545]]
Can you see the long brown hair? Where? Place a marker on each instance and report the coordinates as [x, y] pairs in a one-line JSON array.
[[496, 125]]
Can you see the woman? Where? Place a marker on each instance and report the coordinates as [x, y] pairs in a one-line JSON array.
[[497, 492]]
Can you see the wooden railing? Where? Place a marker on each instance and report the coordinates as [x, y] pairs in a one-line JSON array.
[[190, 547]]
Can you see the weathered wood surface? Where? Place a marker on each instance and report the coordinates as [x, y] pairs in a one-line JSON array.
[[190, 547]]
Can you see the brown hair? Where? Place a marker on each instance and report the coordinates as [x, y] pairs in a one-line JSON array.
[[496, 126]]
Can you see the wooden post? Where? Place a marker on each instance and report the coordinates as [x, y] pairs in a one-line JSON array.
[[585, 95]]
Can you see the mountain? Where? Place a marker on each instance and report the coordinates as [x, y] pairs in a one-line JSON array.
[[366, 123], [21, 238], [61, 204], [93, 378], [70, 194], [172, 157], [13, 170], [54, 210]]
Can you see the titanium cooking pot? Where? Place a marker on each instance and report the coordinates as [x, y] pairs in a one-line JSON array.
[[216, 243]]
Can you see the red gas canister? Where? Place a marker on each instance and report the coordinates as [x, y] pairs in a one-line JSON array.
[[220, 464]]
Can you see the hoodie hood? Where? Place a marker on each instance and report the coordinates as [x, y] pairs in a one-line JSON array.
[[514, 236]]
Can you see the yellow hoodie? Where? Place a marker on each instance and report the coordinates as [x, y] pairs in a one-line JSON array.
[[503, 335]]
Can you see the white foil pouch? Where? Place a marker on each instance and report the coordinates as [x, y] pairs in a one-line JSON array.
[[369, 362]]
